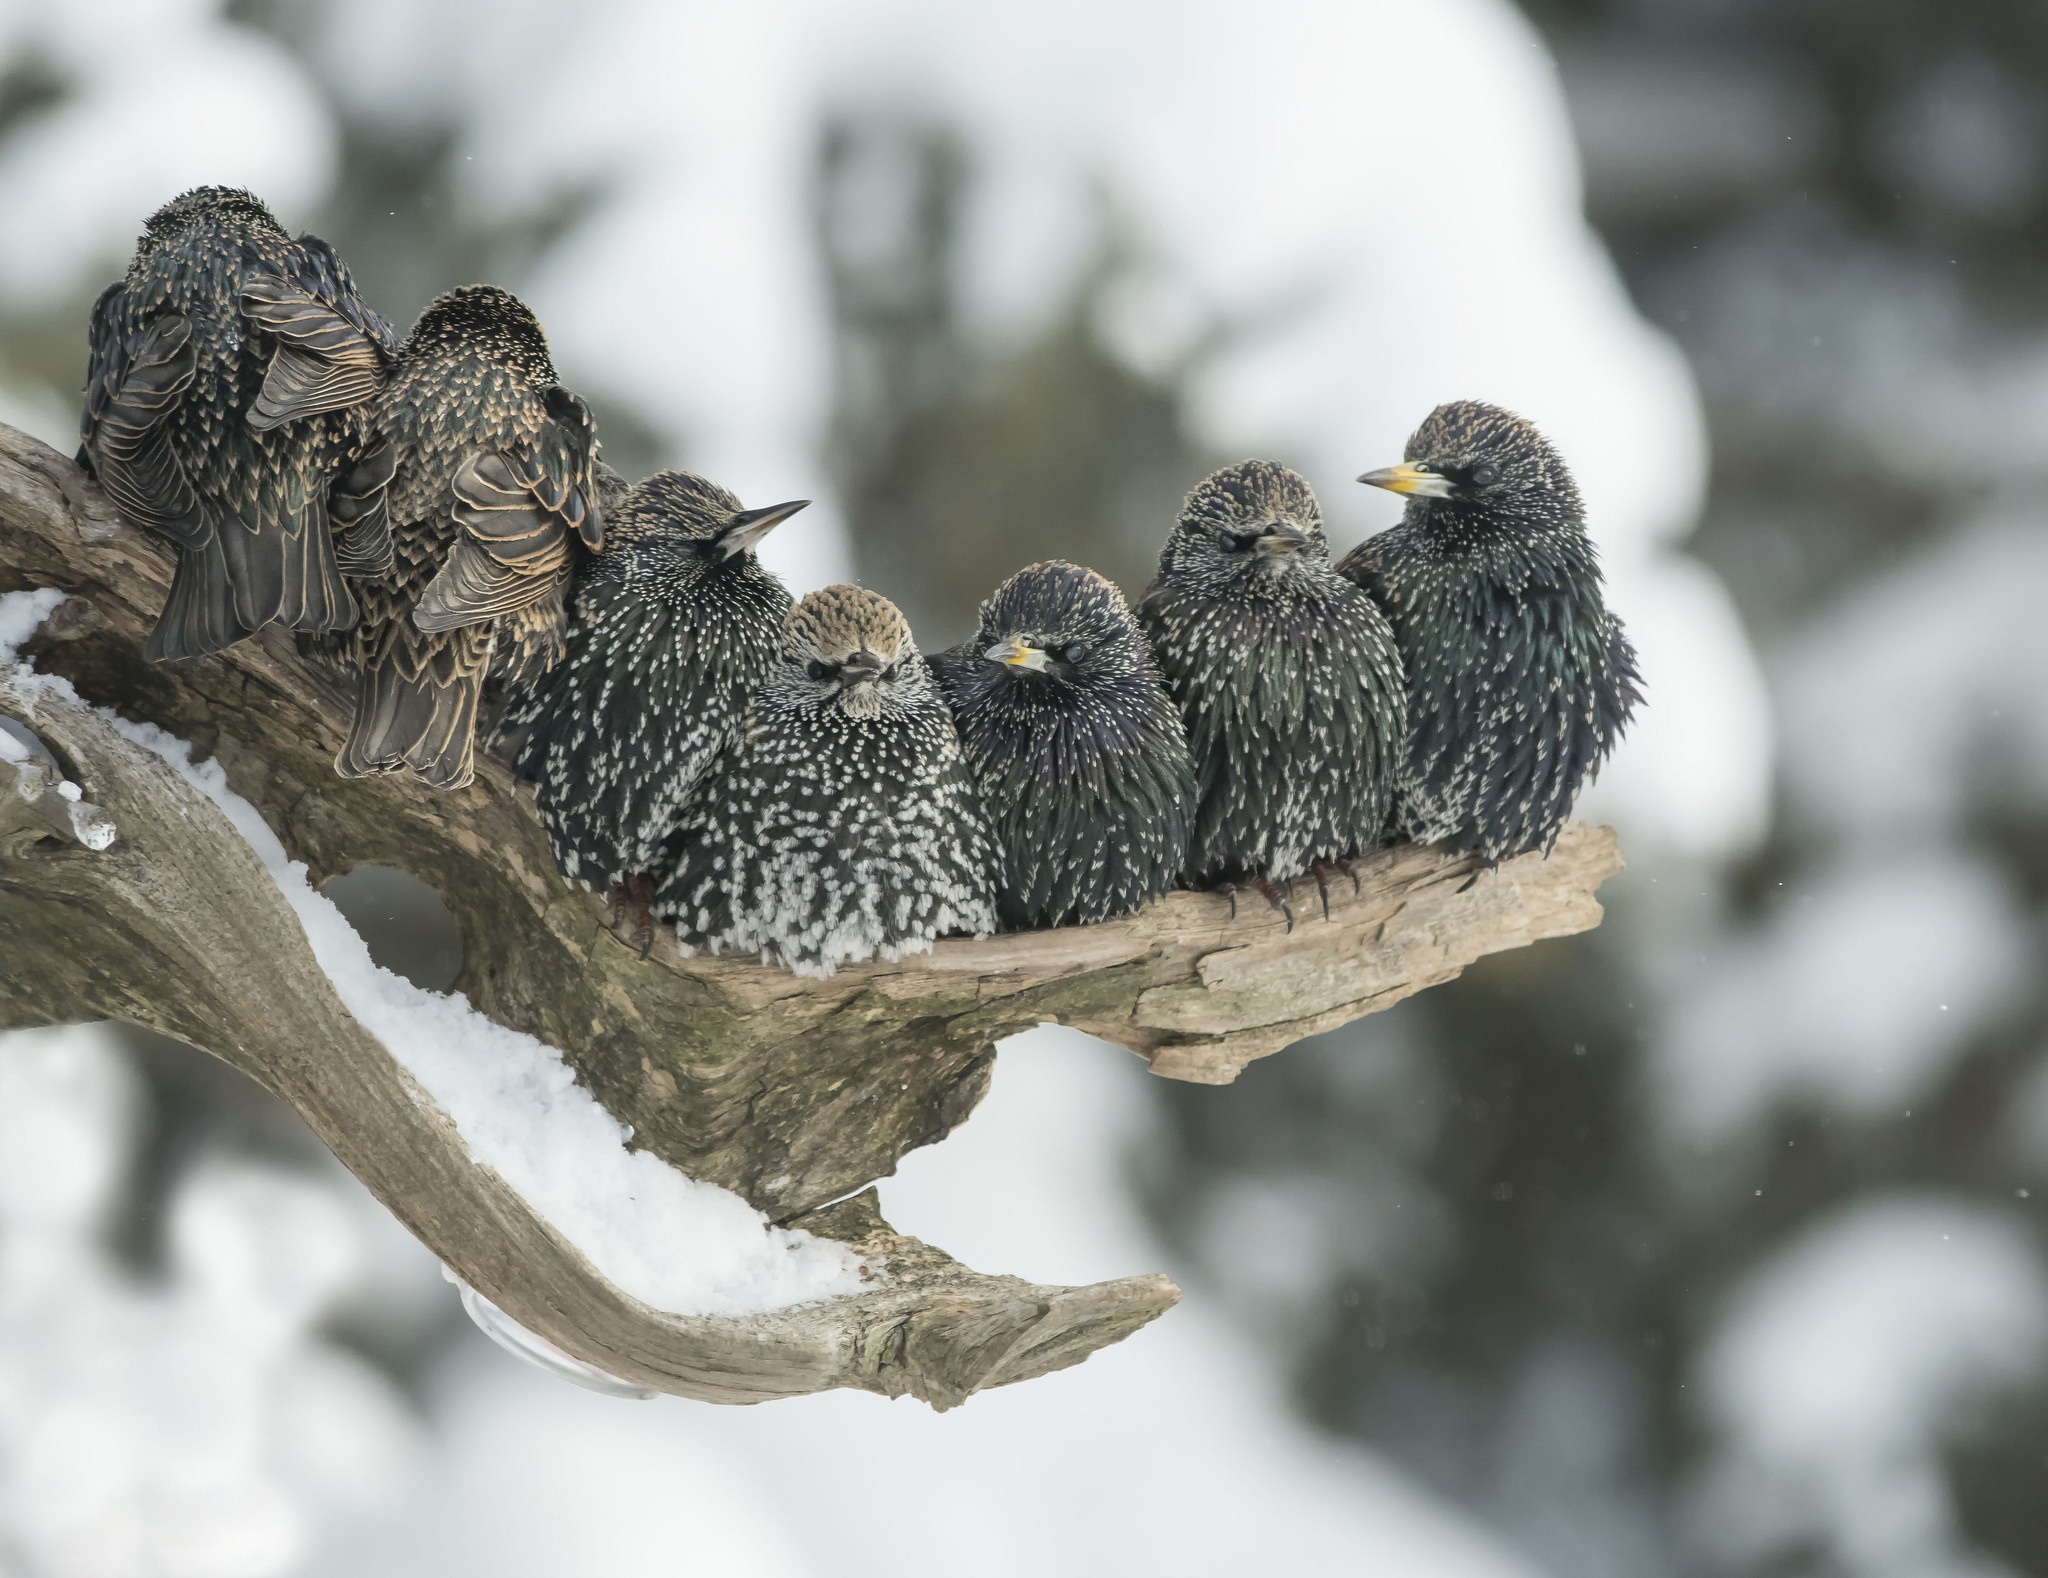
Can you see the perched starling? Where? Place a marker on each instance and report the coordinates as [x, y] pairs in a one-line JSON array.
[[671, 628], [1520, 680], [493, 492], [1286, 676], [840, 823], [1077, 752], [229, 375]]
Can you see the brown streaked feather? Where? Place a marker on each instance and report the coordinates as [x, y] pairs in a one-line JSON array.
[[322, 361], [358, 508]]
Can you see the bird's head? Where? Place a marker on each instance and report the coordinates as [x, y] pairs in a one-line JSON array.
[[848, 647], [207, 204], [1057, 626], [1470, 460], [484, 320], [1255, 523], [699, 518]]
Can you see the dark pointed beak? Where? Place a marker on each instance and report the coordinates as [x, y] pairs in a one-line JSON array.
[[859, 669], [1282, 539], [748, 527]]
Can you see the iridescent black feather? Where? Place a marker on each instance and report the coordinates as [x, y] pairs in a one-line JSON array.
[[1286, 676], [672, 628], [1520, 680], [841, 824], [491, 501], [1078, 754], [229, 378]]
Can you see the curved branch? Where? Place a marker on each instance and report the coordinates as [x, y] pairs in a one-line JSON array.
[[790, 1092], [178, 927]]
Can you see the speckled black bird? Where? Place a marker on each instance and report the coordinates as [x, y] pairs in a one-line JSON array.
[[1520, 680], [492, 503], [841, 823], [1078, 754], [226, 388], [1286, 676], [671, 628]]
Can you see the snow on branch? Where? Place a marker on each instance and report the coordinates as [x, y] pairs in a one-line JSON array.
[[171, 900]]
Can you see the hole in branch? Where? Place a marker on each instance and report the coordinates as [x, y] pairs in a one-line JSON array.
[[404, 921]]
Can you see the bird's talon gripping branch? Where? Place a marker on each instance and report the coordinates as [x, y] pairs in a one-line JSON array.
[[1275, 897], [1322, 886], [1344, 864]]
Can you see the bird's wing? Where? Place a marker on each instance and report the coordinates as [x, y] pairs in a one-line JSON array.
[[357, 512], [332, 352], [134, 382], [517, 511]]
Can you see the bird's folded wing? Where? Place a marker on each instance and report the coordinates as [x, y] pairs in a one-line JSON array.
[[323, 361], [135, 382], [356, 509], [519, 514]]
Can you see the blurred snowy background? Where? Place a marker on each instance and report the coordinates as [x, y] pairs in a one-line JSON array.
[[1705, 1244]]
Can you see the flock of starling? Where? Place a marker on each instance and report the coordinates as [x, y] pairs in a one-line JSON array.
[[795, 779]]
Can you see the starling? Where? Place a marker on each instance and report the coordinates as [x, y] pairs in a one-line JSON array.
[[1520, 680], [227, 387], [1078, 754], [1286, 676], [493, 492], [840, 823], [672, 627]]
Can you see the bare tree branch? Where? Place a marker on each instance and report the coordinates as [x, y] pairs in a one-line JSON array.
[[791, 1092]]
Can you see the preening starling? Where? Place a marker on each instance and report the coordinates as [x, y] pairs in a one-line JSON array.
[[492, 502], [671, 628], [1286, 676], [227, 385], [1520, 680], [1078, 754], [840, 824]]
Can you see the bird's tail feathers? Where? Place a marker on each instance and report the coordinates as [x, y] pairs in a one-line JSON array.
[[416, 707], [199, 616]]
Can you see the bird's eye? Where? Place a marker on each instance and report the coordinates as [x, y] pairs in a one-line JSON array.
[[1483, 477], [819, 669], [1073, 653]]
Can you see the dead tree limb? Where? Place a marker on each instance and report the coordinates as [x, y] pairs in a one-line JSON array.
[[791, 1092]]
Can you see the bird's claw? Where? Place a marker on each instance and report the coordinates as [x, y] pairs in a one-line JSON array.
[[1343, 864], [1322, 886], [1276, 899], [634, 893]]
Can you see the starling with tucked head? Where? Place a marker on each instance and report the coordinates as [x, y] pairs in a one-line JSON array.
[[1286, 676], [228, 379], [1520, 680], [672, 627], [493, 501], [1078, 754], [840, 824]]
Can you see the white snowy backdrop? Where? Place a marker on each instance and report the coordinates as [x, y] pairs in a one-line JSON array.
[[1386, 201]]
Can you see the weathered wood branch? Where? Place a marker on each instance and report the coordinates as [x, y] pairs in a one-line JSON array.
[[791, 1092]]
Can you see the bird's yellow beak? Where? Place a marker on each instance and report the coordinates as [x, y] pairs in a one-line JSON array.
[[1408, 479], [1016, 652]]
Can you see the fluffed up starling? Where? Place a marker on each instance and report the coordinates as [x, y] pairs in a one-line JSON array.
[[671, 628], [492, 503], [1286, 676], [226, 387], [1078, 754], [840, 824], [1520, 680]]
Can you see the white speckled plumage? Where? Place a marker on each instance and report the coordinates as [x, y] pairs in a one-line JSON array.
[[840, 825]]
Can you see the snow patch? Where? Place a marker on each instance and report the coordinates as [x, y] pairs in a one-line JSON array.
[[1857, 994], [1836, 1368], [680, 1245]]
